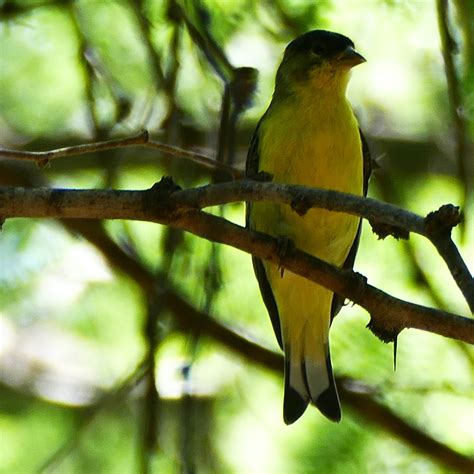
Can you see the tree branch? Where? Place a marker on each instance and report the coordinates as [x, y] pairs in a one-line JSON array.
[[142, 139], [436, 226], [171, 202], [375, 412], [389, 315], [301, 198], [448, 47]]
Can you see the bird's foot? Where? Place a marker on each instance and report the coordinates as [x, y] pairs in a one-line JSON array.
[[284, 246], [301, 204], [261, 176]]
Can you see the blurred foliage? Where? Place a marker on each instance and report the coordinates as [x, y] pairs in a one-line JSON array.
[[73, 330]]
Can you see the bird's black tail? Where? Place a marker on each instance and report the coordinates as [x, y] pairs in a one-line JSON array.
[[305, 382]]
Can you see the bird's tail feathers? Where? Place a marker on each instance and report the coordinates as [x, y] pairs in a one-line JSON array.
[[308, 379], [296, 396]]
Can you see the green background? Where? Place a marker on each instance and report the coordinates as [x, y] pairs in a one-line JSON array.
[[74, 329]]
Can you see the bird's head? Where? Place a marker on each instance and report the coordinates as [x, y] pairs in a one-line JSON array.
[[318, 59]]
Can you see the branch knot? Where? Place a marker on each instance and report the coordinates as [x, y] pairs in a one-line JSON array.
[[383, 332], [443, 220], [382, 230], [156, 199]]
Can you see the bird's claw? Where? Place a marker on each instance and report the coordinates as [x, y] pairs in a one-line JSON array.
[[283, 247]]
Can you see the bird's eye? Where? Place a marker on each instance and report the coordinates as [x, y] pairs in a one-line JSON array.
[[318, 49]]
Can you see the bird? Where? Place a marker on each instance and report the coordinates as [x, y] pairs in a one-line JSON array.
[[308, 136]]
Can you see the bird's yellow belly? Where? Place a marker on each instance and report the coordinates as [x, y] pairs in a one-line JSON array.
[[328, 156]]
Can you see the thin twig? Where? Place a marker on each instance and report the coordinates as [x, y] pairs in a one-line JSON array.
[[193, 17], [75, 150], [448, 47], [145, 32], [142, 139], [459, 270], [84, 49]]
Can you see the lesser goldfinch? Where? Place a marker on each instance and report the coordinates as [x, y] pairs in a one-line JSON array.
[[309, 136]]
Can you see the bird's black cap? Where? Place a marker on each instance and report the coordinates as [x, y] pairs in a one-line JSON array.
[[321, 42]]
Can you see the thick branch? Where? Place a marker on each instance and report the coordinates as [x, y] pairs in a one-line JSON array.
[[143, 205], [389, 314], [299, 197], [436, 227]]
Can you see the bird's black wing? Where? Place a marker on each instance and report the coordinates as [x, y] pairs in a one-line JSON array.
[[338, 300], [251, 169]]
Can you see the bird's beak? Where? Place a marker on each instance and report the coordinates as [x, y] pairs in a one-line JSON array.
[[350, 57]]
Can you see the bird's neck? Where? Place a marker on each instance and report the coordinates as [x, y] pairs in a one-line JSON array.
[[321, 85], [313, 105]]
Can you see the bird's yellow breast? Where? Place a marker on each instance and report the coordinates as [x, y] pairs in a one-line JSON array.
[[313, 144]]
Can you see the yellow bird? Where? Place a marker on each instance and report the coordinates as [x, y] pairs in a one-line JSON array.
[[310, 136]]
